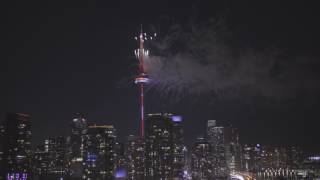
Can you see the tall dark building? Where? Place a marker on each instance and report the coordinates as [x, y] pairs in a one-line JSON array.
[[120, 161], [49, 159], [16, 162], [164, 147], [61, 162], [99, 153], [2, 139], [216, 139], [135, 157], [76, 146], [201, 164], [232, 149], [178, 148], [252, 158], [44, 159], [225, 147], [40, 163]]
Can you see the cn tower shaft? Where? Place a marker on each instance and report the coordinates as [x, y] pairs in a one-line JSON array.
[[142, 78], [142, 109]]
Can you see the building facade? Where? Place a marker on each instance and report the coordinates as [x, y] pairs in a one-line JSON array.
[[135, 157], [50, 159], [201, 162], [16, 161], [225, 149], [2, 146], [216, 139], [99, 153], [76, 146], [178, 148], [164, 147]]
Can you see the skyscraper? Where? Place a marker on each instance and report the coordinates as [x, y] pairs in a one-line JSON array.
[[99, 153], [61, 167], [201, 163], [135, 156], [233, 150], [216, 139], [225, 149], [40, 163], [2, 141], [120, 161], [76, 145], [164, 146], [178, 148], [49, 159], [17, 147]]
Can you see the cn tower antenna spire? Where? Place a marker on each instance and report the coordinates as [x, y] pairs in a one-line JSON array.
[[142, 79]]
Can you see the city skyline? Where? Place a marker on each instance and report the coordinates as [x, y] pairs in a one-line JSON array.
[[95, 152], [67, 57], [79, 124]]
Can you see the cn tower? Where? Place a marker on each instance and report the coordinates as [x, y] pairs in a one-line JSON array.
[[142, 79]]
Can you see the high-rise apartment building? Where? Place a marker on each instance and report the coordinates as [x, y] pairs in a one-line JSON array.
[[135, 157], [225, 149], [76, 146], [216, 138], [99, 153], [16, 161], [50, 159], [178, 148], [2, 141], [201, 163], [164, 146]]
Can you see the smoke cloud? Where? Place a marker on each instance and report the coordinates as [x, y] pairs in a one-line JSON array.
[[203, 60]]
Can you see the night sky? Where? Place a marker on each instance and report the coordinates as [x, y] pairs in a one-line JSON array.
[[63, 57]]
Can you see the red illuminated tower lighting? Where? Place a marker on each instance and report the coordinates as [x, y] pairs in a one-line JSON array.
[[142, 79]]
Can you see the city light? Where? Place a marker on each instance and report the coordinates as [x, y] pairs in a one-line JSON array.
[[176, 118]]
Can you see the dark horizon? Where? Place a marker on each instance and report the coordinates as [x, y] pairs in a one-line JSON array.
[[62, 57]]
